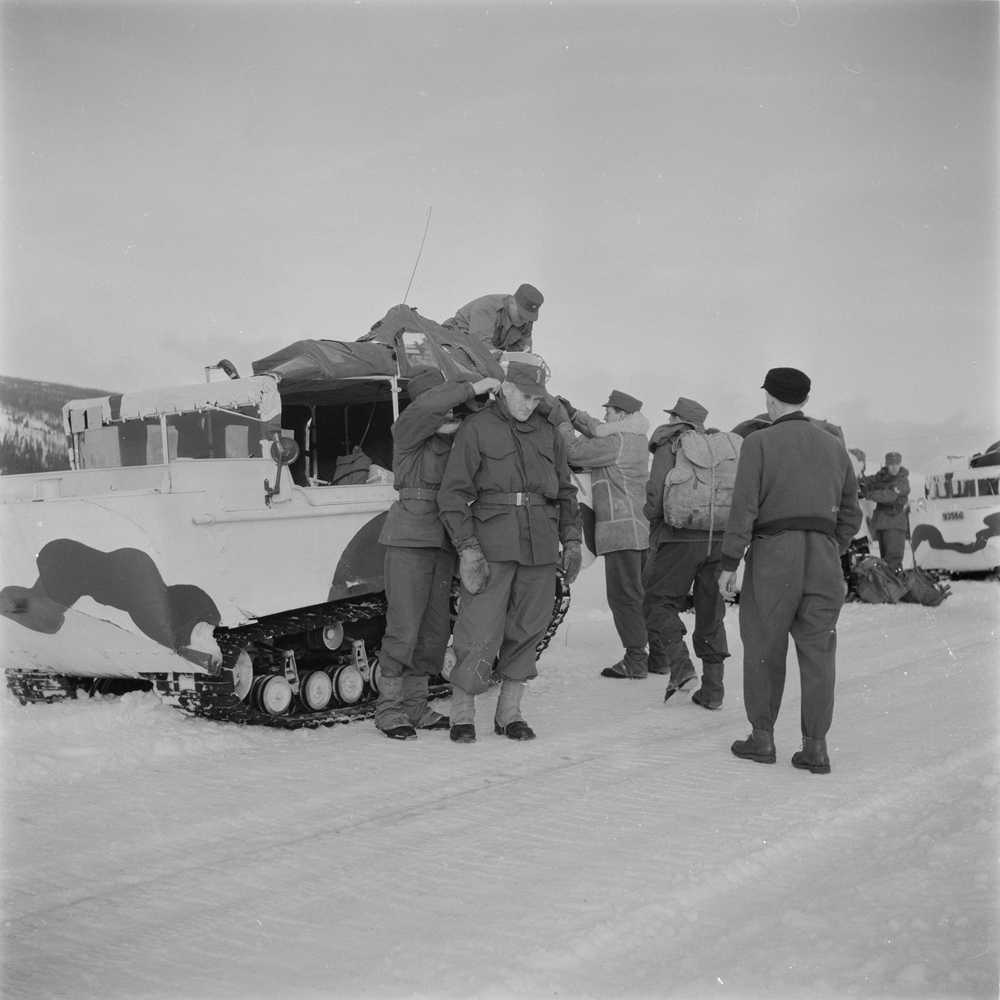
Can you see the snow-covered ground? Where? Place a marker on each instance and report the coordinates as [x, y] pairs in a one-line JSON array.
[[624, 853]]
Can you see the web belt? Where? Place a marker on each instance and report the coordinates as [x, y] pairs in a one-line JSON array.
[[514, 499], [415, 493]]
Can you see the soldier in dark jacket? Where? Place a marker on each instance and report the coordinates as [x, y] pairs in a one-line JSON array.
[[681, 560], [890, 489], [501, 322], [794, 512], [507, 500], [419, 558]]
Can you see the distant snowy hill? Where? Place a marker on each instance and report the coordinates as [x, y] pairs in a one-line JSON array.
[[31, 429]]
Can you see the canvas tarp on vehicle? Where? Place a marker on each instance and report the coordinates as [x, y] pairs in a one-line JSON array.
[[335, 371]]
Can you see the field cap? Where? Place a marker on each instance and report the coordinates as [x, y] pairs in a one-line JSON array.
[[527, 372], [529, 300], [623, 401], [422, 379], [788, 385], [893, 458], [690, 412]]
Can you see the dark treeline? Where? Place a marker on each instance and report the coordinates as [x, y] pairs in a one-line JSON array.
[[21, 450]]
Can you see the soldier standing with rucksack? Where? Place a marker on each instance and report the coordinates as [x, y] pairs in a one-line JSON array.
[[687, 497]]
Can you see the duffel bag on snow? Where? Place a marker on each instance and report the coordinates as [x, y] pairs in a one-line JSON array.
[[923, 589], [698, 490], [877, 584]]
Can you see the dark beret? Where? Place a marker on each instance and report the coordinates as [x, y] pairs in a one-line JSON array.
[[788, 385]]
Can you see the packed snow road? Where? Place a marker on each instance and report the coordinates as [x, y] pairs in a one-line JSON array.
[[624, 853]]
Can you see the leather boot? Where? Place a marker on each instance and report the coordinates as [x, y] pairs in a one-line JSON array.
[[758, 746], [812, 757]]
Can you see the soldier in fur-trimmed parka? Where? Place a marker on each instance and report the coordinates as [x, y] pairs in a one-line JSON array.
[[616, 451]]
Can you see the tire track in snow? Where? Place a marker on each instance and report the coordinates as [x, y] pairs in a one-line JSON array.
[[633, 929]]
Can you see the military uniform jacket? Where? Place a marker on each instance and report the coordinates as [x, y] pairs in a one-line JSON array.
[[487, 320], [495, 454], [792, 476], [617, 454], [418, 461], [891, 495]]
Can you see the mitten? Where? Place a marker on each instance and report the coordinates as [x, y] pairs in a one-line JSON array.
[[473, 568], [572, 560]]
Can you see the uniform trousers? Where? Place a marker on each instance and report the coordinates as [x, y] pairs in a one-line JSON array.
[[792, 585], [670, 572], [892, 546], [418, 623], [508, 619], [623, 582]]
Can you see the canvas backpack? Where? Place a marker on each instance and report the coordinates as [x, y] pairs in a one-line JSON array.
[[877, 584], [923, 588], [698, 490]]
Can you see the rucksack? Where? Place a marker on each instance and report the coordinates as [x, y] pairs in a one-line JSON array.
[[923, 589], [698, 490], [351, 469], [877, 584]]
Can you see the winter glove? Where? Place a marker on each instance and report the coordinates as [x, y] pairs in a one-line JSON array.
[[859, 455], [557, 414], [572, 560], [567, 406], [544, 406], [473, 568]]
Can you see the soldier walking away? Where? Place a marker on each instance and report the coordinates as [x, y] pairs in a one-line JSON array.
[[889, 488], [419, 558], [617, 453], [685, 549], [795, 510], [507, 501], [501, 322]]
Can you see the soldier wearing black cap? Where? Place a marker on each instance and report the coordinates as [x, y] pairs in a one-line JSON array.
[[615, 451], [507, 501], [501, 322], [794, 512], [419, 558], [890, 489]]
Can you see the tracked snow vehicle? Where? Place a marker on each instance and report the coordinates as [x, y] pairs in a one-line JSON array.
[[955, 525], [218, 543]]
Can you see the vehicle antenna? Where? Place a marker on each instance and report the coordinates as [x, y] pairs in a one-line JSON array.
[[419, 252]]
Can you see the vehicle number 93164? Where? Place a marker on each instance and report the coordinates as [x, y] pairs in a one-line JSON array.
[[953, 515]]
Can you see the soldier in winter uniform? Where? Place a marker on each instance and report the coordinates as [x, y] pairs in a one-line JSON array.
[[501, 322], [507, 500], [890, 489], [419, 558], [616, 452], [795, 505], [680, 558]]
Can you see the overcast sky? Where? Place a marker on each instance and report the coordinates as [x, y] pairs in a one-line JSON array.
[[700, 190]]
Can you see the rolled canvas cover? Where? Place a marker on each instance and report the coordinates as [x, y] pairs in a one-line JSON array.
[[335, 371]]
